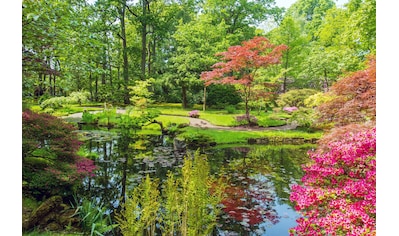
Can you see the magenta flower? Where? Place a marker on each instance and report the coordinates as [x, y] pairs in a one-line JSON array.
[[338, 195]]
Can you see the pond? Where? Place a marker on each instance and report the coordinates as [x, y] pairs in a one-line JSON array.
[[260, 177]]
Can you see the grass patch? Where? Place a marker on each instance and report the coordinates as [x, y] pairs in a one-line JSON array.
[[166, 121], [232, 136]]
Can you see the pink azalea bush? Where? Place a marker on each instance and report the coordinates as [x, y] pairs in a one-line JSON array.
[[338, 195], [290, 109], [194, 114]]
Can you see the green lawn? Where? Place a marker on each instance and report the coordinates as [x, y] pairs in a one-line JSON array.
[[232, 136]]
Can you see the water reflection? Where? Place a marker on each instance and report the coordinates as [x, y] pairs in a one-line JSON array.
[[258, 178]]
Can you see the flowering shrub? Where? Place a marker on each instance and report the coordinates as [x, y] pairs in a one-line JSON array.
[[290, 109], [244, 120], [338, 195], [194, 114]]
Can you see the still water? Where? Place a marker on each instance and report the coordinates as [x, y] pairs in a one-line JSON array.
[[260, 177]]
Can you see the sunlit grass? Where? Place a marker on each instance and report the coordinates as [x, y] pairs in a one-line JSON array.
[[232, 136]]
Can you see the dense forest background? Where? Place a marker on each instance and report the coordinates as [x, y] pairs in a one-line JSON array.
[[106, 46]]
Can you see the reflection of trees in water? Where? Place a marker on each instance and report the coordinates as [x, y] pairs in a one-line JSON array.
[[123, 162], [284, 164], [257, 175]]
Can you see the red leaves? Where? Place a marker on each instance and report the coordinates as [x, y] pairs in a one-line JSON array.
[[240, 62], [355, 98]]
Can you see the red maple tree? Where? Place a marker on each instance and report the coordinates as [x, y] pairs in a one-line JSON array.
[[355, 98], [240, 63]]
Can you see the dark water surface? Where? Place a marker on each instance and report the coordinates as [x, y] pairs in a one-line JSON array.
[[260, 177]]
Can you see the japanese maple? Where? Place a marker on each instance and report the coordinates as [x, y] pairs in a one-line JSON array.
[[49, 155], [354, 98], [240, 63], [338, 195]]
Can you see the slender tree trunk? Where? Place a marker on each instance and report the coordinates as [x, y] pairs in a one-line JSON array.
[[96, 89], [51, 85], [125, 59], [325, 83], [54, 85], [285, 73], [184, 95], [90, 86], [247, 95], [204, 105], [143, 39]]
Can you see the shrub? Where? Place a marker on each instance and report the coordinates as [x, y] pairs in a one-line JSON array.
[[230, 109], [78, 97], [243, 120], [49, 160], [338, 195], [295, 98], [220, 95], [194, 114], [54, 103], [94, 217]]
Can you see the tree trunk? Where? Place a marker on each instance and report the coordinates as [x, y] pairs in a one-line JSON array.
[[143, 39], [54, 85], [125, 59], [96, 90], [325, 82], [184, 95], [285, 73], [90, 86], [204, 104]]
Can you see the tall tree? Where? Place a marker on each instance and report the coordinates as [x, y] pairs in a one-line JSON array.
[[196, 42], [240, 64], [289, 33]]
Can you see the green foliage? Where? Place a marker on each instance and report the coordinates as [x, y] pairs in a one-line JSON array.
[[200, 208], [88, 117], [230, 109], [140, 210], [317, 99], [295, 97], [79, 97], [55, 102], [189, 204], [220, 95], [195, 140], [50, 163], [304, 117], [140, 94], [94, 219]]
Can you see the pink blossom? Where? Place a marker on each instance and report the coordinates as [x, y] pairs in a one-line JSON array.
[[338, 195]]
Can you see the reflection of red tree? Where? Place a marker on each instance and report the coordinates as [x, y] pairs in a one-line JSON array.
[[248, 206]]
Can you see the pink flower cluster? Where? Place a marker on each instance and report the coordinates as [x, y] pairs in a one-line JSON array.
[[85, 166], [290, 109], [194, 114], [338, 195]]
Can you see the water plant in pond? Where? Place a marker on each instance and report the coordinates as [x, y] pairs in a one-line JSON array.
[[94, 217], [189, 204], [338, 195], [140, 210]]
